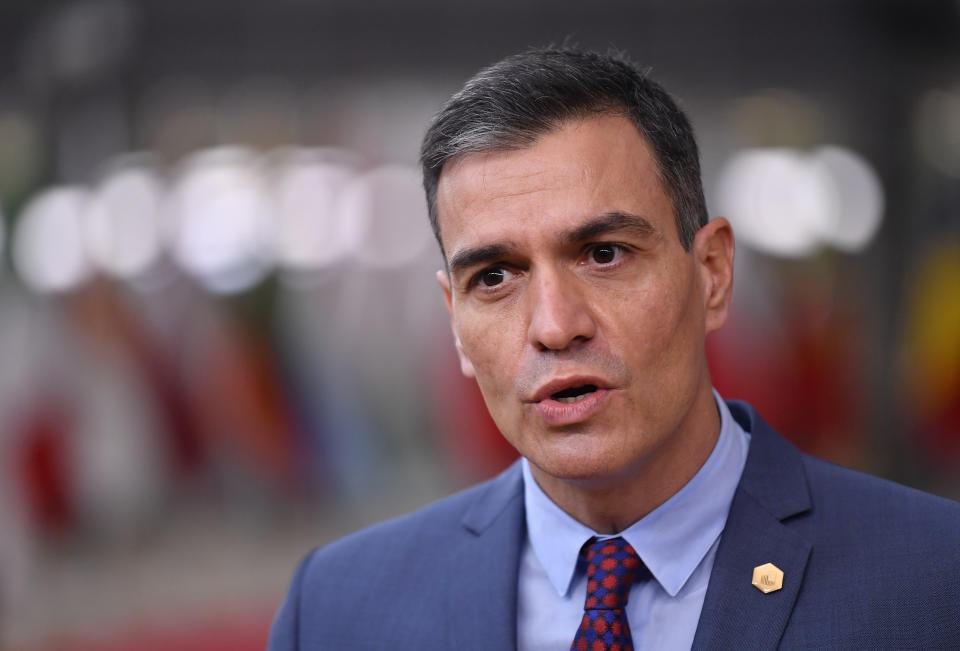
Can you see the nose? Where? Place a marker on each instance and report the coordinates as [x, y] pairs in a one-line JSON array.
[[560, 316]]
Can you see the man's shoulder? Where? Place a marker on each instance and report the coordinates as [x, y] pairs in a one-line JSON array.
[[831, 502], [867, 563], [879, 510], [883, 564], [406, 569], [438, 525]]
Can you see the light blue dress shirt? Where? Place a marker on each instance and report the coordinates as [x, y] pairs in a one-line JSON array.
[[677, 541]]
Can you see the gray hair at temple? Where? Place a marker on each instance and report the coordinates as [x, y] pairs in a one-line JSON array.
[[510, 104]]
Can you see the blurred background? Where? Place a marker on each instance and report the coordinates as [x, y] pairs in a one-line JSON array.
[[221, 342]]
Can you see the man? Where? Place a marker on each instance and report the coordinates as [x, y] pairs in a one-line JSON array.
[[582, 277]]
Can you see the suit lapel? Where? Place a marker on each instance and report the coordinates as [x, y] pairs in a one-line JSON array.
[[773, 487], [482, 603]]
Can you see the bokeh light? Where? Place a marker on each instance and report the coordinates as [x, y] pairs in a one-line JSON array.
[[389, 203], [311, 230], [856, 206], [789, 203], [48, 250], [772, 197], [218, 214], [122, 219]]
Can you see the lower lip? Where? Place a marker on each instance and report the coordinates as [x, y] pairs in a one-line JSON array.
[[556, 413]]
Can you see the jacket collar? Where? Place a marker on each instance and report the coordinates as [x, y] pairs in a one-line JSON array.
[[774, 474], [772, 489], [498, 497], [481, 604]]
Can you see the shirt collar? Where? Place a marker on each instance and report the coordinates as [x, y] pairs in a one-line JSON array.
[[672, 539]]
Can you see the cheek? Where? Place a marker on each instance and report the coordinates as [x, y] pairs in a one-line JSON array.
[[495, 377], [486, 343], [659, 330], [679, 342]]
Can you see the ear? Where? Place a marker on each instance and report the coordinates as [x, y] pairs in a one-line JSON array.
[[713, 249], [466, 366]]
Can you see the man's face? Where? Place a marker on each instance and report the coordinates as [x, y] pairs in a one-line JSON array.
[[572, 300]]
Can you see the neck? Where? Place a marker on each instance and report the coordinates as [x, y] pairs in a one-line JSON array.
[[612, 504]]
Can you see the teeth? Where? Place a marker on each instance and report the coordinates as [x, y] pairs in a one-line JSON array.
[[572, 398]]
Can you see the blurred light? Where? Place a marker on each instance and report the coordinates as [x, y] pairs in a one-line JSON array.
[[121, 222], [389, 203], [772, 197], [311, 231], [787, 203], [218, 217], [938, 130], [931, 347], [857, 199], [48, 241]]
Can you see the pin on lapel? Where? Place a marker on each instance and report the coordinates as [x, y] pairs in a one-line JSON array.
[[767, 578]]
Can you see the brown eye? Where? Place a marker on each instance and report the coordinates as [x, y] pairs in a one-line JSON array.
[[604, 254], [492, 277]]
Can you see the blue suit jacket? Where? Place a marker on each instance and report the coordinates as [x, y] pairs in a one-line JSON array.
[[867, 564]]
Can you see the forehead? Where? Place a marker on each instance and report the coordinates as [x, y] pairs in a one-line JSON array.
[[583, 169]]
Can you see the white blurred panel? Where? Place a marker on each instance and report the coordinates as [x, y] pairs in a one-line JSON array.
[[789, 203], [311, 231], [857, 205], [389, 201], [219, 219], [48, 250], [773, 198], [121, 222]]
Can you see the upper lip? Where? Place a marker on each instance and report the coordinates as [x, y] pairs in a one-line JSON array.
[[551, 387]]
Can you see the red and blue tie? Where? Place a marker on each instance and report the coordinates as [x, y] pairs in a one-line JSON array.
[[612, 566]]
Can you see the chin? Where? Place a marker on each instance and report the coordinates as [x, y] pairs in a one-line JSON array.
[[582, 461]]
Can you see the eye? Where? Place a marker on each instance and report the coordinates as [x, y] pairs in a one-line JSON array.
[[604, 253], [491, 277]]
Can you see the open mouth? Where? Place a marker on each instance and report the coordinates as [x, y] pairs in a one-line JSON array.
[[573, 399], [574, 394]]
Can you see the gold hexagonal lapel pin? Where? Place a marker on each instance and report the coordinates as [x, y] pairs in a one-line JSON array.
[[767, 578]]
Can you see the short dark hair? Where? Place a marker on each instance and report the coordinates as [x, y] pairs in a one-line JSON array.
[[510, 104]]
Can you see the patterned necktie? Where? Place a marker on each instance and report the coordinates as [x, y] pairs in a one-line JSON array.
[[612, 566]]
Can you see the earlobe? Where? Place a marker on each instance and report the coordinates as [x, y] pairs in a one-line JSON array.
[[466, 366]]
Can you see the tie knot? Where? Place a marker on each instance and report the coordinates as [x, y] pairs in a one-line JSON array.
[[612, 566]]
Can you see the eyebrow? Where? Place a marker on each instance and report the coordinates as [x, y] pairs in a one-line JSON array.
[[610, 222], [473, 257]]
